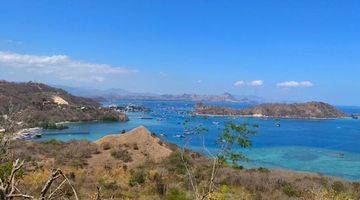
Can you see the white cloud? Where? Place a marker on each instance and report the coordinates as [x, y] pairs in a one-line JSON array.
[[61, 67], [255, 83], [292, 84], [239, 83], [199, 81]]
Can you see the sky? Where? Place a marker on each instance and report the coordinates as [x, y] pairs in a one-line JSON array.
[[279, 50]]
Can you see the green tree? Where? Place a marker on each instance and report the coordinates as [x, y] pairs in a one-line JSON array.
[[232, 139]]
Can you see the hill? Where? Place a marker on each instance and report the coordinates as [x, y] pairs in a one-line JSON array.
[[133, 148], [276, 110], [137, 165], [30, 104]]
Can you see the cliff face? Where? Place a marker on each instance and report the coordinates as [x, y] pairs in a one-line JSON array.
[[276, 110], [30, 104]]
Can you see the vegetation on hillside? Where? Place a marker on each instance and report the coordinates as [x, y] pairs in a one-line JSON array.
[[276, 110], [183, 175], [25, 105]]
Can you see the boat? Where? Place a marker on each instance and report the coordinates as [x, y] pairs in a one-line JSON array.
[[143, 117], [188, 132], [179, 136], [216, 123], [355, 116]]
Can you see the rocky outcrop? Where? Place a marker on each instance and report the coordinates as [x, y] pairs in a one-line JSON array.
[[24, 105], [276, 110]]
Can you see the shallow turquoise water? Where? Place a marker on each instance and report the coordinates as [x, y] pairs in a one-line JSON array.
[[302, 145]]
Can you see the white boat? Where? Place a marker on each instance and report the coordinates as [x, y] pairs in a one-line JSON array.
[[179, 136]]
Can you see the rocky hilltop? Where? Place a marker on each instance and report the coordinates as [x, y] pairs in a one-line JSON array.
[[135, 147], [24, 105], [276, 110]]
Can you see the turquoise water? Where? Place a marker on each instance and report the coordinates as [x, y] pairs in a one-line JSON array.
[[302, 145]]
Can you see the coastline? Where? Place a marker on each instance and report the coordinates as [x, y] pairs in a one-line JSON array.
[[269, 117], [26, 133], [30, 133]]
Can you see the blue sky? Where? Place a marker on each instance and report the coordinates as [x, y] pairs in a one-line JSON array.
[[280, 50]]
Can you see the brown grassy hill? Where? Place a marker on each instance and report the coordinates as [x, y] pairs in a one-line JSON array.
[[31, 104], [141, 167], [132, 149]]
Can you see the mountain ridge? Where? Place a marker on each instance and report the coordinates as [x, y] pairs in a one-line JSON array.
[[115, 94]]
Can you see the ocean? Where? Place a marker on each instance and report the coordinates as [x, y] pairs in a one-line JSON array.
[[330, 147]]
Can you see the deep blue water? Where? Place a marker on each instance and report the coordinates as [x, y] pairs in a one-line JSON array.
[[302, 145]]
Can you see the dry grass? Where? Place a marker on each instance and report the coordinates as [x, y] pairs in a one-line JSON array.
[[90, 165]]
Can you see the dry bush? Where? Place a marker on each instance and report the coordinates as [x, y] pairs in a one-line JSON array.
[[73, 153], [106, 146], [121, 154]]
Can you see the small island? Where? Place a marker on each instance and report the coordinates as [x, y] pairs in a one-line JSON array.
[[310, 110]]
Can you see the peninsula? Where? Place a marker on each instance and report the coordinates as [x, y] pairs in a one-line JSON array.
[[27, 105]]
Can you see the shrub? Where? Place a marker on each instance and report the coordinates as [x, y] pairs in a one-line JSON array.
[[240, 167], [5, 171], [109, 185], [176, 164], [52, 125], [71, 175], [135, 146], [159, 184], [137, 178], [263, 170], [289, 190], [121, 154], [338, 187], [175, 194], [110, 118], [52, 142], [75, 153], [106, 146]]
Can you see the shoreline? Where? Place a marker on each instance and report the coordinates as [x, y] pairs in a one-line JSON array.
[[269, 117], [26, 133], [30, 133]]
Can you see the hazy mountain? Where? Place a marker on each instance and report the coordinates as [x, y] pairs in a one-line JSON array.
[[116, 93]]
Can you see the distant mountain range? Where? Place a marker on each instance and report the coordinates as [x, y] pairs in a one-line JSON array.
[[116, 94]]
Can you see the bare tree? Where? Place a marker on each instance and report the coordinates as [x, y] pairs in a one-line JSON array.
[[9, 190], [8, 186]]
